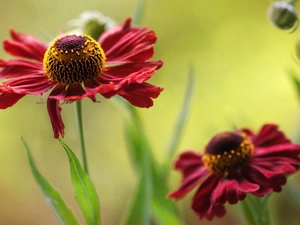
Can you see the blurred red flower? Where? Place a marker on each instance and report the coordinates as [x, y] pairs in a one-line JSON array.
[[234, 164], [76, 66]]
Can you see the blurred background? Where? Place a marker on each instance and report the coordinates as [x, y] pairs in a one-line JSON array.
[[241, 63]]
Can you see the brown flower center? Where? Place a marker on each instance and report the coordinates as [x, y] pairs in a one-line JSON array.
[[74, 59], [227, 151]]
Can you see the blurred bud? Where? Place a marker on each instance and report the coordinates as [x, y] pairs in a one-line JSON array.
[[92, 23], [283, 15]]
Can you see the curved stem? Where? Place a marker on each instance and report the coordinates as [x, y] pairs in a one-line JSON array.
[[78, 113]]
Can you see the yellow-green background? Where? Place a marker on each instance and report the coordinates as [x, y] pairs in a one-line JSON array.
[[241, 63]]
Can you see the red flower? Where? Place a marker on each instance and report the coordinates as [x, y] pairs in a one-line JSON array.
[[234, 164], [75, 67]]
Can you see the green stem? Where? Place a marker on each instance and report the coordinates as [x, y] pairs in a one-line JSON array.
[[78, 112], [256, 211]]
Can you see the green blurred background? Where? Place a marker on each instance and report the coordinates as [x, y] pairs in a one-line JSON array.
[[241, 63]]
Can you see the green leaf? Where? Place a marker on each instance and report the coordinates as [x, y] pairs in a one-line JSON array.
[[139, 11], [85, 192], [291, 193], [256, 210], [139, 213], [164, 210], [296, 82], [181, 121], [60, 209], [140, 210]]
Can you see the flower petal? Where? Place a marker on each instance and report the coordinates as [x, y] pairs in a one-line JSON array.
[[139, 71], [191, 166], [140, 95], [127, 80], [233, 189], [202, 203], [256, 176], [35, 84], [25, 46], [8, 99], [18, 68], [125, 43], [269, 135], [71, 93], [95, 86], [54, 112]]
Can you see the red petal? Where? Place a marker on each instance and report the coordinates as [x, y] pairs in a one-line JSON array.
[[17, 68], [8, 99], [133, 72], [191, 166], [71, 93], [140, 94], [255, 176], [125, 43], [54, 112], [25, 46], [233, 189], [269, 135], [95, 86], [35, 84], [202, 203]]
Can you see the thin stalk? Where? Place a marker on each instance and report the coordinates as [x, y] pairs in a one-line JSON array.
[[78, 113]]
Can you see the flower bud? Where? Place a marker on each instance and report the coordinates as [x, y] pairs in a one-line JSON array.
[[283, 15], [92, 23]]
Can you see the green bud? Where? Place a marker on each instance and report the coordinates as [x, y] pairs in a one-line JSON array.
[[92, 23], [283, 15]]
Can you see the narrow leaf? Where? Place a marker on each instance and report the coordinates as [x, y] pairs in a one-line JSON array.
[[296, 82], [164, 210], [291, 193], [139, 11], [181, 121], [60, 209], [85, 192], [139, 213], [140, 210], [247, 207]]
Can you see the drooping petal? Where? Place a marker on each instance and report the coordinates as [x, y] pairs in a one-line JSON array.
[[256, 176], [127, 80], [35, 84], [54, 111], [18, 68], [125, 43], [71, 93], [191, 166], [202, 203], [96, 86], [8, 99], [25, 46], [233, 189], [140, 95]]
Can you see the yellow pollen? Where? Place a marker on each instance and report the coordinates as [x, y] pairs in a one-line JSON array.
[[74, 59], [229, 160]]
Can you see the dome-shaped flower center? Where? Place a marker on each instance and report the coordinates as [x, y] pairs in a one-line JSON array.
[[74, 59], [227, 151]]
